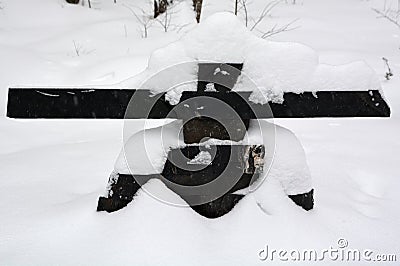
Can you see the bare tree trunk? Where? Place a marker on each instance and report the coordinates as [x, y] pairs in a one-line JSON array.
[[156, 11], [160, 6], [166, 21], [236, 7], [244, 5], [197, 4]]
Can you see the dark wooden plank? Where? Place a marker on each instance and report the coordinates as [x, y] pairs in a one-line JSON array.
[[67, 103], [113, 103], [332, 104]]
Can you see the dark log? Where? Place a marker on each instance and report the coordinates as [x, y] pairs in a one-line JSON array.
[[156, 10], [122, 190], [197, 8], [244, 168], [160, 7]]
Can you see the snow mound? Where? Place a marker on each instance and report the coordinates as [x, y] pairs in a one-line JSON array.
[[146, 151], [203, 158], [272, 68]]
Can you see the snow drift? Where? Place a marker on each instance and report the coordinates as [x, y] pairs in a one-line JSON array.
[[270, 67]]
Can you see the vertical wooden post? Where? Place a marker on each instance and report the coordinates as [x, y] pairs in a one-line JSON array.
[[236, 7], [197, 4], [156, 11]]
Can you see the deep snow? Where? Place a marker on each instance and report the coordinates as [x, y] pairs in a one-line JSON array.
[[269, 68], [52, 172]]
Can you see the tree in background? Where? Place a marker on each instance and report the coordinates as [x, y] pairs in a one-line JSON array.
[[75, 2], [160, 7], [144, 17], [389, 13], [197, 4]]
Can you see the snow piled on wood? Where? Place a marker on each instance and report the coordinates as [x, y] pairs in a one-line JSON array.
[[146, 152], [270, 68]]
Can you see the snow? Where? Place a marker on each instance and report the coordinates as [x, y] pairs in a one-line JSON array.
[[146, 151], [210, 88], [53, 171], [270, 68], [203, 158]]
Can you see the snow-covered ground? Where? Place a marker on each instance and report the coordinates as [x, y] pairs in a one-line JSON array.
[[52, 172]]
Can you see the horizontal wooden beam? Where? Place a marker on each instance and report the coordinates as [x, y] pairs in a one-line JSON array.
[[79, 103]]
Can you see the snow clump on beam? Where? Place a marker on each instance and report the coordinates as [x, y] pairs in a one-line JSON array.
[[274, 67]]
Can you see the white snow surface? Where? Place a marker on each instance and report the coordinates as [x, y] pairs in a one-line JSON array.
[[53, 171], [270, 68]]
